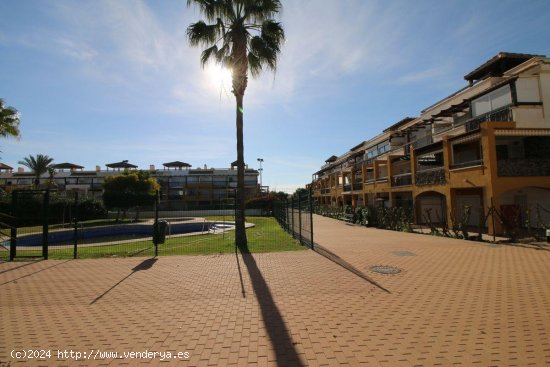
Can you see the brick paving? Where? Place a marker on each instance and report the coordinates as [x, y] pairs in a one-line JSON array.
[[454, 303]]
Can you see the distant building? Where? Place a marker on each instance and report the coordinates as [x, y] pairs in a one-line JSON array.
[[181, 186], [486, 144]]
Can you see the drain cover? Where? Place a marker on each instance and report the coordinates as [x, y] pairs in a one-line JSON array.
[[383, 269]]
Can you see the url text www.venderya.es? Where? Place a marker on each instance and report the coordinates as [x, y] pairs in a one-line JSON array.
[[41, 354]]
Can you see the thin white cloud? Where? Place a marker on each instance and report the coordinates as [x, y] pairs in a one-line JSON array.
[[327, 41], [77, 50], [423, 76], [127, 45]]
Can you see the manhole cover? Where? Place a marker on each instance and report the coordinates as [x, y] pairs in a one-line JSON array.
[[383, 269], [403, 253]]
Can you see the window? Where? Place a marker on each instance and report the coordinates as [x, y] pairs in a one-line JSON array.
[[492, 101], [527, 90], [383, 147], [379, 149], [467, 153], [430, 160]]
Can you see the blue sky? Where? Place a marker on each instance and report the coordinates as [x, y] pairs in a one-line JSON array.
[[105, 80]]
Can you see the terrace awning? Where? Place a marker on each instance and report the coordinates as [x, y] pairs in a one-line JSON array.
[[66, 165], [176, 164], [123, 164]]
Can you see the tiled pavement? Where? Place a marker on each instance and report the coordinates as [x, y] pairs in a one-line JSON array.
[[454, 303]]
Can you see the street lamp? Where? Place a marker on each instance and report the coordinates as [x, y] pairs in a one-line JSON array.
[[260, 169]]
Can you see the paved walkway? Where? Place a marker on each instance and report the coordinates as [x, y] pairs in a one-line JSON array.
[[454, 303]]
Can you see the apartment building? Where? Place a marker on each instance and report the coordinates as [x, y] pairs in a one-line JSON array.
[[486, 145], [182, 186]]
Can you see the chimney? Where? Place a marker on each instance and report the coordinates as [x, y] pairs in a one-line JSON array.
[[205, 167], [20, 170], [152, 168], [97, 168]]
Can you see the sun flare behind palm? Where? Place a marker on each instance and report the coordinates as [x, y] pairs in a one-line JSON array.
[[219, 77]]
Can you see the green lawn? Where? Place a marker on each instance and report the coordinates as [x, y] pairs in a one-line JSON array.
[[265, 236]]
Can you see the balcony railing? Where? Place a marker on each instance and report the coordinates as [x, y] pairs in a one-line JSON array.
[[422, 142], [477, 162], [325, 191], [524, 167], [358, 185], [404, 179], [501, 115], [382, 179], [347, 187], [435, 176]]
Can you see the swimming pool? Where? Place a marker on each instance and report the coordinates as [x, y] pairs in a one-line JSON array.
[[66, 236]]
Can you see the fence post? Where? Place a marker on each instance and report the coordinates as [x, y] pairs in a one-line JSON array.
[[156, 224], [493, 219], [45, 214], [75, 220], [292, 216], [310, 216], [300, 218], [287, 228], [13, 230]]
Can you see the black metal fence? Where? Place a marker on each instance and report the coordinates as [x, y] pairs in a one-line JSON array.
[[296, 217], [40, 224], [513, 223]]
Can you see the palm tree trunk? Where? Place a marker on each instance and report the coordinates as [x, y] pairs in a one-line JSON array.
[[240, 231]]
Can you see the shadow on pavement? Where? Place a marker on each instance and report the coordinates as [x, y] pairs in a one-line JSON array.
[[243, 291], [21, 266], [144, 265], [34, 272], [285, 351]]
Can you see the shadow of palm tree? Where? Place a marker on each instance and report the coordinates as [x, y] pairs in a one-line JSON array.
[[285, 350], [144, 265]]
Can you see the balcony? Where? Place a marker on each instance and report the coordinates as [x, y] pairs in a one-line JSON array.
[[457, 165], [422, 142], [347, 187], [325, 191], [527, 167], [434, 176], [404, 179], [501, 115]]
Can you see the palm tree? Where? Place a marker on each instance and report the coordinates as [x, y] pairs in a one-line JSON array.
[[241, 36], [9, 121], [38, 165]]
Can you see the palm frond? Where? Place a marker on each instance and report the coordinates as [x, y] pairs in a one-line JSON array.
[[9, 121], [202, 33], [254, 64], [258, 10], [235, 23], [39, 164], [208, 53]]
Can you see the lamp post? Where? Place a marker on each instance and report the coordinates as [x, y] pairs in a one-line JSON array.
[[261, 170]]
